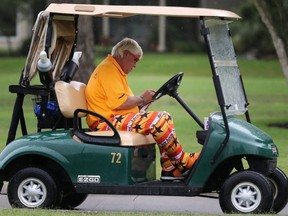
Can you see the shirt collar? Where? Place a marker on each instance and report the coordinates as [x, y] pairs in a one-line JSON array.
[[112, 59]]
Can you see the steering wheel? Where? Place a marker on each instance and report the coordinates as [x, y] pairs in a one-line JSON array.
[[170, 87]]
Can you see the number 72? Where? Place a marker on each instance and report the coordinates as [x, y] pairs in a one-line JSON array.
[[116, 157]]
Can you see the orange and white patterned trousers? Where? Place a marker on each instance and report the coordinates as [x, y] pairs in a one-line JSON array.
[[159, 124]]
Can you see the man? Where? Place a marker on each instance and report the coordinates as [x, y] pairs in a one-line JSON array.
[[109, 94]]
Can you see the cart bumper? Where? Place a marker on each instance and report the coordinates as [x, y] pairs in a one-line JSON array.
[[264, 166]]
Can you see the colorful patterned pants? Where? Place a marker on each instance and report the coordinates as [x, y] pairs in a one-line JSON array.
[[160, 125]]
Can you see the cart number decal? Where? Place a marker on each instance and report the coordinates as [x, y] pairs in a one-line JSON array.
[[116, 157]]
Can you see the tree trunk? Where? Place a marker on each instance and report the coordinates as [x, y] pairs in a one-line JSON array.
[[85, 42], [279, 38], [86, 45], [9, 45]]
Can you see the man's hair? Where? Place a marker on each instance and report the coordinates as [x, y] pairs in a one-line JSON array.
[[129, 45]]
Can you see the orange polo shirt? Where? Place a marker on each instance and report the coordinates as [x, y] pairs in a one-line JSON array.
[[106, 90]]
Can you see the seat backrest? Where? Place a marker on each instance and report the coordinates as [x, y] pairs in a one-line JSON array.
[[70, 96]]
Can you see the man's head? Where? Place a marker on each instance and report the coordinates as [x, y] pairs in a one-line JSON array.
[[127, 53]]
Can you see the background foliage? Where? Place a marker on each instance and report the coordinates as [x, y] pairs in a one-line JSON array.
[[250, 35]]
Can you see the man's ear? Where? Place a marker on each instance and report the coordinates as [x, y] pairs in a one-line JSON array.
[[126, 52]]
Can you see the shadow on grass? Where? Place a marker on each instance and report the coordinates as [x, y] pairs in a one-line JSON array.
[[279, 125]]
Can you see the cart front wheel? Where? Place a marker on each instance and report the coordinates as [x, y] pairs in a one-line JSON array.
[[32, 188], [280, 187], [72, 200], [246, 192]]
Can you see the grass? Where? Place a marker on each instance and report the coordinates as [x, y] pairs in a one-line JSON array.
[[21, 212], [264, 82], [36, 212]]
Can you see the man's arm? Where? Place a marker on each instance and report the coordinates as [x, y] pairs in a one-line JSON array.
[[133, 101]]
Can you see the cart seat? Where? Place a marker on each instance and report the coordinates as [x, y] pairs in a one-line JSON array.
[[71, 96], [127, 138]]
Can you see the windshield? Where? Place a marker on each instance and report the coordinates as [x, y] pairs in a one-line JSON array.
[[226, 67]]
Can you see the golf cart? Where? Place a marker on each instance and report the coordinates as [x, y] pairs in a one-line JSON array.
[[62, 162]]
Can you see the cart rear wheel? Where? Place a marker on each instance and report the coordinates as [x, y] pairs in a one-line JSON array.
[[246, 192], [280, 187], [32, 188]]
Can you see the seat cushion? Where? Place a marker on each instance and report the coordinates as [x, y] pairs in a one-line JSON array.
[[127, 138]]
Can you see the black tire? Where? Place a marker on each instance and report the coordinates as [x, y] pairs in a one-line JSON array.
[[246, 192], [72, 200], [280, 187], [32, 188]]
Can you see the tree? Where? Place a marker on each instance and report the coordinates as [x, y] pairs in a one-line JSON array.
[[11, 13], [85, 42], [8, 23], [274, 16]]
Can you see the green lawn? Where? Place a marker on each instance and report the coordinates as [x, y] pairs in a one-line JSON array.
[[264, 82], [25, 212]]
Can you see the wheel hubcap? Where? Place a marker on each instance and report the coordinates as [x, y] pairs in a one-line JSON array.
[[32, 192], [246, 197]]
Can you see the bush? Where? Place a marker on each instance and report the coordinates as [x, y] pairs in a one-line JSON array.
[[251, 36], [188, 47], [24, 49]]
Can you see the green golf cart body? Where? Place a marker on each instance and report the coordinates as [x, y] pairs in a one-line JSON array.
[[62, 162]]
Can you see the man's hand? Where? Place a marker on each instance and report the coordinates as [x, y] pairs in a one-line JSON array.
[[147, 96]]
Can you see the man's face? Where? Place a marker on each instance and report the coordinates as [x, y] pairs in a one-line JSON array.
[[129, 61]]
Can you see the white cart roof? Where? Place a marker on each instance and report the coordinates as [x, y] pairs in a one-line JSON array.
[[63, 37], [121, 11]]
